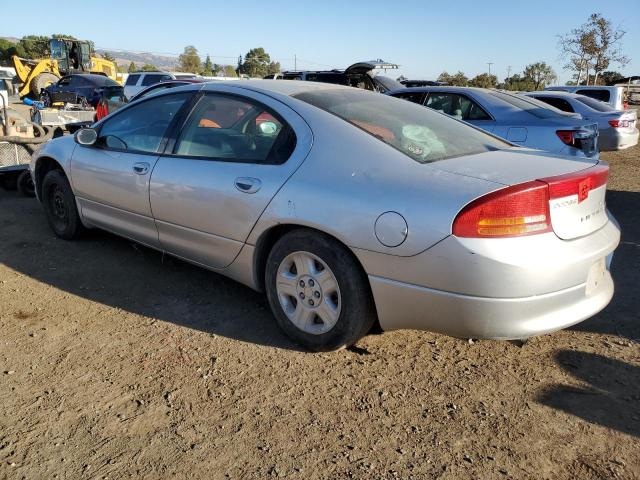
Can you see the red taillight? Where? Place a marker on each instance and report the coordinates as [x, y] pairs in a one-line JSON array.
[[580, 183], [625, 105], [524, 209], [511, 212], [101, 111], [619, 123], [566, 136]]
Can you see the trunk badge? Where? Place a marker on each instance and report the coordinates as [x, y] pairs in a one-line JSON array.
[[583, 189]]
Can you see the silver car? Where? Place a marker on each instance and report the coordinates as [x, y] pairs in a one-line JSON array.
[[522, 121], [617, 128], [345, 206]]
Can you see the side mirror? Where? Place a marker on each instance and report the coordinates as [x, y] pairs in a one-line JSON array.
[[86, 137]]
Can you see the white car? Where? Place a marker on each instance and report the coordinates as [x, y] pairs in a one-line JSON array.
[[614, 96], [136, 82], [617, 128]]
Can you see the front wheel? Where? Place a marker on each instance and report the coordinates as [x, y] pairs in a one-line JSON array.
[[60, 206], [317, 291]]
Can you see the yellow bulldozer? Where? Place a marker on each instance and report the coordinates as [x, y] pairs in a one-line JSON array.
[[66, 56]]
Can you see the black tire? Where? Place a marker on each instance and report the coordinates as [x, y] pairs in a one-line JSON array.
[[40, 81], [25, 184], [357, 312], [8, 181], [60, 206]]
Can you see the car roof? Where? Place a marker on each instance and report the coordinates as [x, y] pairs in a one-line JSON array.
[[92, 77], [554, 93], [289, 88], [442, 88]]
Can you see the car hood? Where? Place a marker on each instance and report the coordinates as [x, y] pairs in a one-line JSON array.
[[364, 67], [513, 166]]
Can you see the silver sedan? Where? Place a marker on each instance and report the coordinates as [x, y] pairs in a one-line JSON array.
[[523, 121], [346, 207], [617, 128]]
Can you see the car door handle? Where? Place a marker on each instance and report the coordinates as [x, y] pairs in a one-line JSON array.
[[248, 184], [141, 168]]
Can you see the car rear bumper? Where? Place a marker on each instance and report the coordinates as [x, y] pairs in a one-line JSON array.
[[402, 305], [612, 139], [502, 288]]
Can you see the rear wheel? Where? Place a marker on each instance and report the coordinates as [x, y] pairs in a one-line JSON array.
[[318, 292], [60, 206], [25, 184]]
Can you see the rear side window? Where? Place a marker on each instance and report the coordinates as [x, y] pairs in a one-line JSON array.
[[418, 132], [415, 97], [235, 129], [602, 95], [559, 103], [596, 104], [148, 80], [141, 127], [530, 105], [132, 79], [458, 106]]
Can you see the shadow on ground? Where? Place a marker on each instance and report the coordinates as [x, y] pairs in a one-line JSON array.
[[113, 271], [622, 315], [609, 396]]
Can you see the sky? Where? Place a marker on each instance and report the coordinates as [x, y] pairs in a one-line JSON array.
[[424, 38]]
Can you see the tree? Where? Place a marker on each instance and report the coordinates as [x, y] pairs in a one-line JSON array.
[[540, 75], [519, 83], [208, 68], [484, 80], [459, 79], [189, 60], [610, 78], [149, 67], [592, 46], [7, 49], [229, 71], [274, 67], [109, 57], [256, 63], [33, 46], [132, 67]]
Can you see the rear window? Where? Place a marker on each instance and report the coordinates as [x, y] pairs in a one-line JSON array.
[[132, 79], [602, 95], [420, 133], [530, 105], [596, 104], [153, 79]]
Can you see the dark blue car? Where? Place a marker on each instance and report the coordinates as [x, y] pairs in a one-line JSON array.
[[91, 87]]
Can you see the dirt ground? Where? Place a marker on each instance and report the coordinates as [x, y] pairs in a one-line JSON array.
[[117, 363]]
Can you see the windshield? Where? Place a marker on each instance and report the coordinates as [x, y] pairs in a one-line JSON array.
[[419, 132], [388, 83], [595, 104], [530, 105]]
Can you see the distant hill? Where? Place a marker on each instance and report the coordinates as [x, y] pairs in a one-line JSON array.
[[124, 58]]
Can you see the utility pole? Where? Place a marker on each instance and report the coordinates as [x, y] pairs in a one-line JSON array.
[[508, 75], [295, 62], [489, 63]]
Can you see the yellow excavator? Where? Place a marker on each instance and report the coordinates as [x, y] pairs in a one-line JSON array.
[[66, 56]]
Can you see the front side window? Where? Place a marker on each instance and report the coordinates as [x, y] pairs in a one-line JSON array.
[[231, 128], [141, 127], [412, 129], [132, 79], [458, 106]]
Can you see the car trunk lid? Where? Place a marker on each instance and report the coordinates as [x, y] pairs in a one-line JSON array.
[[576, 186]]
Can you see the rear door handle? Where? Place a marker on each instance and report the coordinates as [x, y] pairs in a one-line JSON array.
[[141, 168], [248, 184]]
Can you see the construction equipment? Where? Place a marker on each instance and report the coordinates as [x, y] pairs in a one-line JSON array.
[[66, 56], [19, 139]]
